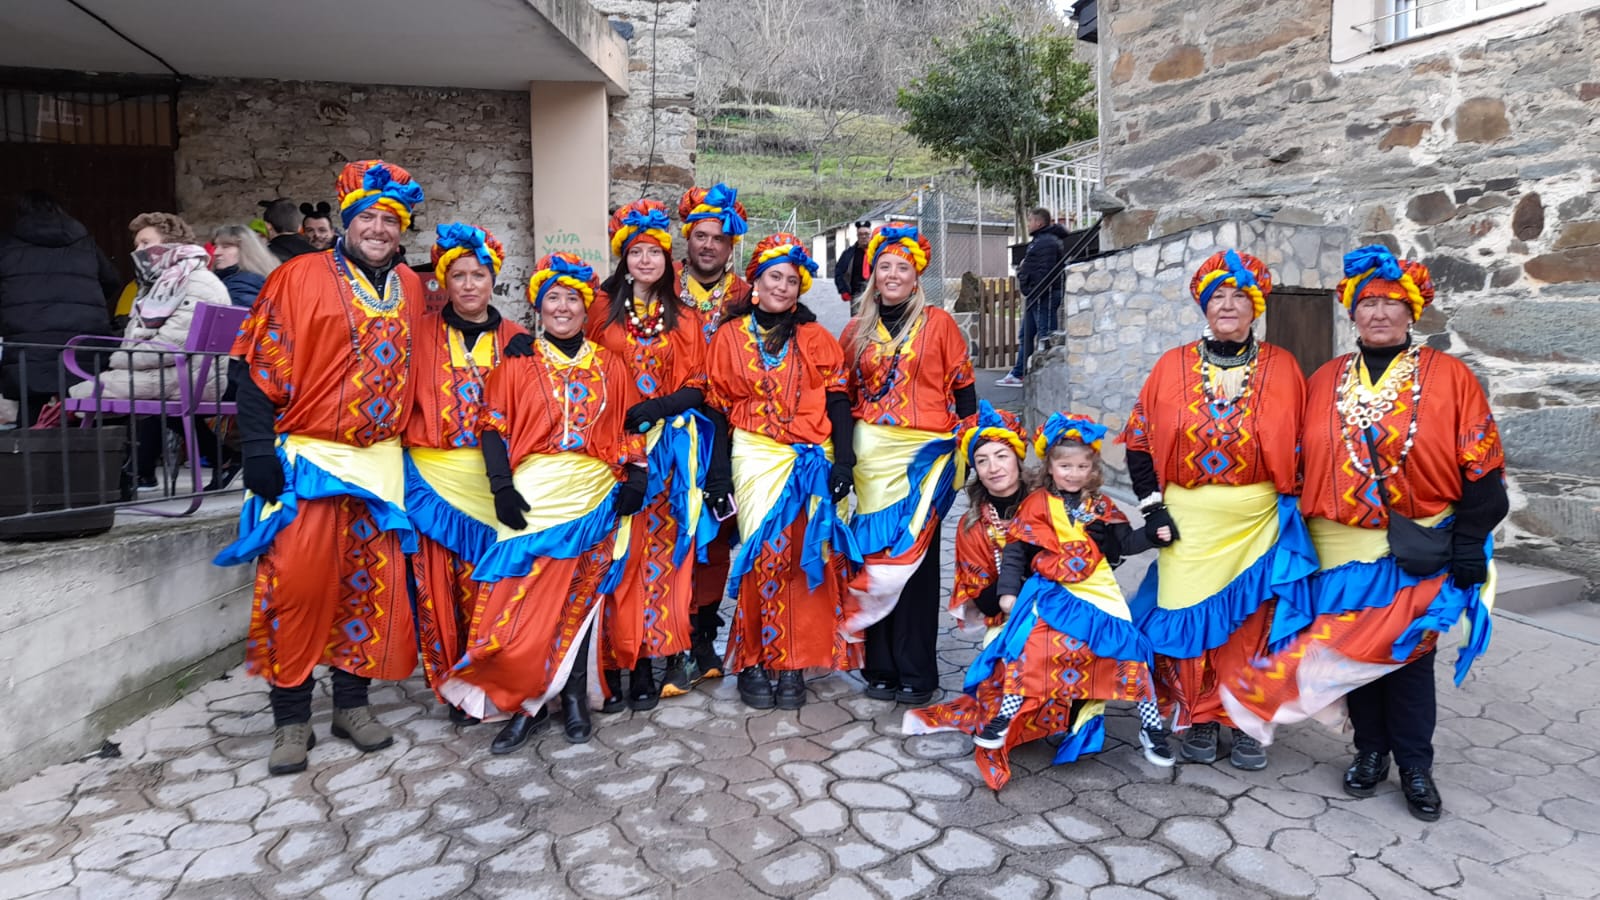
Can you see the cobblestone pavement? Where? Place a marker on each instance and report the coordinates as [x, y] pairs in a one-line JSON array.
[[702, 798]]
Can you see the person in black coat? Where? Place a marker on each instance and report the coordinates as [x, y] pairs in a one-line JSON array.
[[55, 284], [849, 276], [1039, 279], [283, 229]]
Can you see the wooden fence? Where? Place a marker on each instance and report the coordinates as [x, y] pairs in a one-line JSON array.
[[999, 315]]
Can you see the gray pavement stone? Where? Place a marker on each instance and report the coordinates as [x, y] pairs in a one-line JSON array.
[[818, 817], [607, 881], [1310, 851], [895, 831], [1197, 839], [1268, 872], [789, 870], [1201, 883], [960, 850], [1001, 886], [907, 876], [1133, 862]]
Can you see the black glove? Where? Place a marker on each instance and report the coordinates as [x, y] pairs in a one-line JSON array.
[[1155, 517], [642, 416], [509, 508], [519, 345], [988, 601], [1106, 540], [1468, 564], [630, 499], [263, 475], [841, 481], [719, 497]]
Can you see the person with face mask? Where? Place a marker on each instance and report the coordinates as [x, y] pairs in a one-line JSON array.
[[329, 348]]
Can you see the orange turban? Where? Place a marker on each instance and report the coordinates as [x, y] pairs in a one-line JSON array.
[[644, 220], [1241, 270], [373, 182]]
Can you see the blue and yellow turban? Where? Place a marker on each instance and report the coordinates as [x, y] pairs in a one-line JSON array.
[[565, 269], [721, 204], [1241, 270], [903, 240], [373, 182], [457, 240], [641, 220], [990, 424], [1373, 271], [777, 249], [1060, 428]]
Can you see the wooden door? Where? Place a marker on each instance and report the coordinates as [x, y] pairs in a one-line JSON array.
[[1300, 320]]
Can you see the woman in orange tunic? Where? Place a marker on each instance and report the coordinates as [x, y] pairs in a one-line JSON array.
[[551, 430], [911, 385], [447, 496], [713, 226], [659, 339], [778, 388], [1212, 452], [1403, 485]]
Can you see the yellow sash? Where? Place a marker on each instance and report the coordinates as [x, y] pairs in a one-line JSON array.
[[561, 488], [457, 475], [761, 469], [1222, 530], [1100, 589], [379, 469], [883, 454], [1338, 544]]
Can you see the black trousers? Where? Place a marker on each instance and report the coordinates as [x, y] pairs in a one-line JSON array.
[[1396, 714], [292, 705], [900, 648], [150, 442]]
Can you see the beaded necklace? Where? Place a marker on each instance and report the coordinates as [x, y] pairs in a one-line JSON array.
[[712, 305], [648, 322], [766, 385], [1083, 512], [393, 297], [556, 367], [892, 376], [366, 295], [996, 528], [1211, 375], [1360, 407]]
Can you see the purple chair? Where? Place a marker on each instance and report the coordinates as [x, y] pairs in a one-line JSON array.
[[211, 332]]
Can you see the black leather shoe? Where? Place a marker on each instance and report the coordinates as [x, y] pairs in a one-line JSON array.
[[881, 689], [913, 697], [459, 716], [643, 694], [1365, 774], [517, 731], [614, 703], [754, 688], [575, 721], [791, 693], [1421, 794]]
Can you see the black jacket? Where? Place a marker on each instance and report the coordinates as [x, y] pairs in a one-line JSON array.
[[847, 274], [1039, 275], [287, 246], [55, 284]]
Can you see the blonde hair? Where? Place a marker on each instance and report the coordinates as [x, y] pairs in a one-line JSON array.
[[253, 253], [869, 316], [1097, 474]]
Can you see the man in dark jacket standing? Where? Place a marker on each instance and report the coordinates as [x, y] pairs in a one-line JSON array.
[[55, 284], [1039, 279], [848, 275], [283, 229]]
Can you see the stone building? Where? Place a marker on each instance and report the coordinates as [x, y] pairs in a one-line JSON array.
[[532, 118], [1465, 134]]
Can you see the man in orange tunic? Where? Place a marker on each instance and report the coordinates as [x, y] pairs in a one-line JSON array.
[[327, 347]]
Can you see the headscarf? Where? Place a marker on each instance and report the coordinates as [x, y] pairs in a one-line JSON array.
[[1241, 270], [1373, 271], [373, 182], [163, 271], [990, 424], [720, 203], [565, 269], [456, 240], [902, 240], [1077, 429], [777, 249], [644, 220]]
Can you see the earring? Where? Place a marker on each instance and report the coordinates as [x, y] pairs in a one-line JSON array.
[[628, 277], [538, 326]]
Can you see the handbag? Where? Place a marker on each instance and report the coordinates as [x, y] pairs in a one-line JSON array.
[[1418, 549]]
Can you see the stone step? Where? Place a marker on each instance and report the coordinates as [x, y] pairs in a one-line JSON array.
[[1580, 620], [1528, 589]]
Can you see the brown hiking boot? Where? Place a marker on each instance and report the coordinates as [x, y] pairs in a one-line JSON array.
[[290, 744], [359, 727]]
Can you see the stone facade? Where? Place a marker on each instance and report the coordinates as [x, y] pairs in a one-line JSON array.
[[1479, 159], [244, 141], [653, 128], [1120, 312]]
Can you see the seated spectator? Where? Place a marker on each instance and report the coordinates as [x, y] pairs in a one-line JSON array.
[[55, 284], [171, 271], [242, 261]]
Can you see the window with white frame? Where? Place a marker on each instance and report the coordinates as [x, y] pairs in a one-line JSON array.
[[1404, 20]]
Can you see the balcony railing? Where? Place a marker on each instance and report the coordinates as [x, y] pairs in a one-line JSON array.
[[1066, 178]]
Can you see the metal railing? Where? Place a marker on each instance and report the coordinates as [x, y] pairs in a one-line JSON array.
[[69, 463], [1066, 178]]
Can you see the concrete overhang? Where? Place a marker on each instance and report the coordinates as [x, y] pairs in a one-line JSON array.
[[469, 44]]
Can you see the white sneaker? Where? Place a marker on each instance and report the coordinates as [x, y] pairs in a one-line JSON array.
[[1156, 750], [1008, 380]]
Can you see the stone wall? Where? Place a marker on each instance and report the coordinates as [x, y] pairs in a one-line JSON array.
[[1122, 311], [1480, 159], [653, 137], [244, 141]]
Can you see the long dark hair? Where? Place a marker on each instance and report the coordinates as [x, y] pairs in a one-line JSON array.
[[622, 290], [798, 315]]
